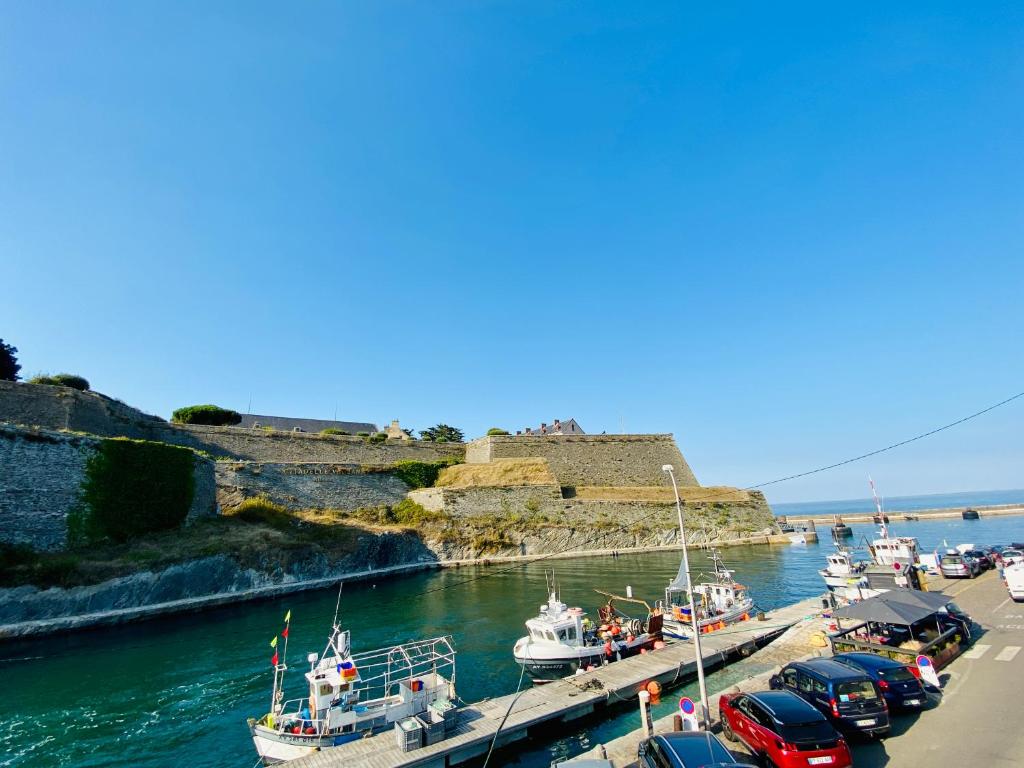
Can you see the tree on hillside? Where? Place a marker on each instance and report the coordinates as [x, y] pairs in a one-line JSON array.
[[8, 362], [442, 433]]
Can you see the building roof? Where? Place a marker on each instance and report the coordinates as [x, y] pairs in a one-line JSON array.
[[556, 427], [288, 424]]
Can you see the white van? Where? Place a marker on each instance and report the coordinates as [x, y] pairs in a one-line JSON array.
[[1014, 576]]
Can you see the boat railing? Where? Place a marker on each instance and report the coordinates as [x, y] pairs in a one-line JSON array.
[[289, 715]]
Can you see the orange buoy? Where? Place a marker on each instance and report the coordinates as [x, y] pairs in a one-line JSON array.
[[616, 629], [654, 689]]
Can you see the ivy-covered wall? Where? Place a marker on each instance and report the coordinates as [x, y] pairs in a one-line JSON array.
[[120, 486]]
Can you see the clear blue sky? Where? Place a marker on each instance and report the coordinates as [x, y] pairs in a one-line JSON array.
[[787, 234]]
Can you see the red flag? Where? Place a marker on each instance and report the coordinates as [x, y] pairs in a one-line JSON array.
[[284, 633], [273, 661]]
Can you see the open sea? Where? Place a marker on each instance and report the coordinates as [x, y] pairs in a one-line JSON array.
[[175, 691]]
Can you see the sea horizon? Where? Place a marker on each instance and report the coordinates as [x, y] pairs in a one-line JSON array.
[[902, 503]]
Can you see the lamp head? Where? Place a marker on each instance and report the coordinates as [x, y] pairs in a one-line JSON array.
[[667, 468]]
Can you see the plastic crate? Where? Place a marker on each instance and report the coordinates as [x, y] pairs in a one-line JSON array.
[[446, 711], [409, 734], [433, 727]]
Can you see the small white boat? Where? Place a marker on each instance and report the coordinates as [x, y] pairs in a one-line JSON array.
[[720, 602], [563, 641], [351, 695]]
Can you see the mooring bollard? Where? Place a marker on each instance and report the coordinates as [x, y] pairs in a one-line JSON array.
[[645, 713]]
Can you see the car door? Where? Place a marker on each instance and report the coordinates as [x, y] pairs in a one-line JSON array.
[[759, 718], [742, 725]]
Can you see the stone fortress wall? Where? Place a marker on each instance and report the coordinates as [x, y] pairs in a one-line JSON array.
[[41, 474], [592, 460], [307, 485], [59, 408]]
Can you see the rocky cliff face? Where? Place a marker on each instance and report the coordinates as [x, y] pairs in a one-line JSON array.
[[199, 583]]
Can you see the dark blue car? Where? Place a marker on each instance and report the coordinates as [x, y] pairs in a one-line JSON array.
[[900, 687]]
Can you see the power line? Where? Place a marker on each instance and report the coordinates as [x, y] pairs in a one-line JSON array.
[[888, 447]]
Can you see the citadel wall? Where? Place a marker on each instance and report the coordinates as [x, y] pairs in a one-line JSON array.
[[587, 460]]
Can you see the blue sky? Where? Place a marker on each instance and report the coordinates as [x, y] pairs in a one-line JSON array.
[[787, 234]]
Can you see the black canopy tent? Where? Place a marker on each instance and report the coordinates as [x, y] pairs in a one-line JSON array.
[[899, 607]]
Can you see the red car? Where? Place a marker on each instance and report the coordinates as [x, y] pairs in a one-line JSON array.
[[783, 730]]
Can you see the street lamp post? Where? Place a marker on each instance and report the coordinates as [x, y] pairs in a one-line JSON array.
[[693, 606]]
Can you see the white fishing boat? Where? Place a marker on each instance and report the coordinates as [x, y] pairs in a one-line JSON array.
[[843, 569], [352, 694], [563, 641], [720, 602], [886, 549]]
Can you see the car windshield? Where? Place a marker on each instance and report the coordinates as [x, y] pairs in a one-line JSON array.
[[895, 674], [801, 732], [859, 690], [951, 560], [698, 752]]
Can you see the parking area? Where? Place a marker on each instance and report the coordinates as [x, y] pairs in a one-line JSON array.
[[976, 719]]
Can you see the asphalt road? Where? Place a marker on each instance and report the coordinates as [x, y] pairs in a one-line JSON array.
[[977, 720]]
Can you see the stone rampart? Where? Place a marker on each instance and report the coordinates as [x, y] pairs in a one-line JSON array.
[[308, 485], [56, 408], [586, 460], [278, 447], [41, 474], [52, 407]]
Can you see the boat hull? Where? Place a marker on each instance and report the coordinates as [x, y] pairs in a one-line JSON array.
[[545, 664], [683, 629]]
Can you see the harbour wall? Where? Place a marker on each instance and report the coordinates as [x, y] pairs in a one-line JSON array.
[[41, 476]]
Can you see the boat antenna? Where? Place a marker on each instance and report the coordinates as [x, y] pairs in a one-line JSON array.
[[878, 506], [337, 605]]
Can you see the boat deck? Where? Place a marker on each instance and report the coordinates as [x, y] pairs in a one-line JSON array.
[[563, 700]]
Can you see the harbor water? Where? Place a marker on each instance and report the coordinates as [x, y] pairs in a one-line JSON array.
[[177, 690]]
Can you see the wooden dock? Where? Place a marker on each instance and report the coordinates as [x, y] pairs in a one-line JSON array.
[[564, 700]]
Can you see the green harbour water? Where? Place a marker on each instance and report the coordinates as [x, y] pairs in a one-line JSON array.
[[175, 691]]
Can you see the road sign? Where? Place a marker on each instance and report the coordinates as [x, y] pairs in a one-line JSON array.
[[689, 711], [927, 669]]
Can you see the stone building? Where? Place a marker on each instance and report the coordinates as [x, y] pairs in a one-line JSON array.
[[558, 427]]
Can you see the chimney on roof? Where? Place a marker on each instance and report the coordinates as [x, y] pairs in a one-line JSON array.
[[543, 428]]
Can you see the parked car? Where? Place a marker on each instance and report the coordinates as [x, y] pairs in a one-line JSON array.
[[984, 561], [685, 749], [850, 699], [900, 686], [953, 565], [1012, 557], [782, 729]]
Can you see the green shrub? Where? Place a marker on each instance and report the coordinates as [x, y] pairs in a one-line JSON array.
[[62, 380], [260, 509], [497, 431], [333, 431], [132, 487], [420, 474], [210, 415], [378, 437], [362, 434]]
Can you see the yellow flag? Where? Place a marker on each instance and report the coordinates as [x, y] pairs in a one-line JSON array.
[[273, 643], [288, 616]]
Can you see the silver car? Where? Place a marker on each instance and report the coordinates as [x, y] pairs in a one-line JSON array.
[[953, 565]]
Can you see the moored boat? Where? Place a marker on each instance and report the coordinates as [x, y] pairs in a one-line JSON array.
[[563, 641], [353, 694], [720, 602]]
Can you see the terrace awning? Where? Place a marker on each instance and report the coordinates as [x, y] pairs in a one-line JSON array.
[[892, 607]]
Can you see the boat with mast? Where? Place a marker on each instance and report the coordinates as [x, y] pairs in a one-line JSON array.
[[890, 550], [563, 641], [721, 601], [353, 694]]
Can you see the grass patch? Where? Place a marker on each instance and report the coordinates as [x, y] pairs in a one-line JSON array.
[[498, 473], [688, 494]]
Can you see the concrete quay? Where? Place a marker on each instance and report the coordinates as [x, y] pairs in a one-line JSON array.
[[896, 516], [966, 723], [564, 700]]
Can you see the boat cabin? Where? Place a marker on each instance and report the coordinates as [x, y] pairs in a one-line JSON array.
[[557, 624]]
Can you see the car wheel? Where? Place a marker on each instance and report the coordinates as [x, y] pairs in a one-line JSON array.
[[727, 730]]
